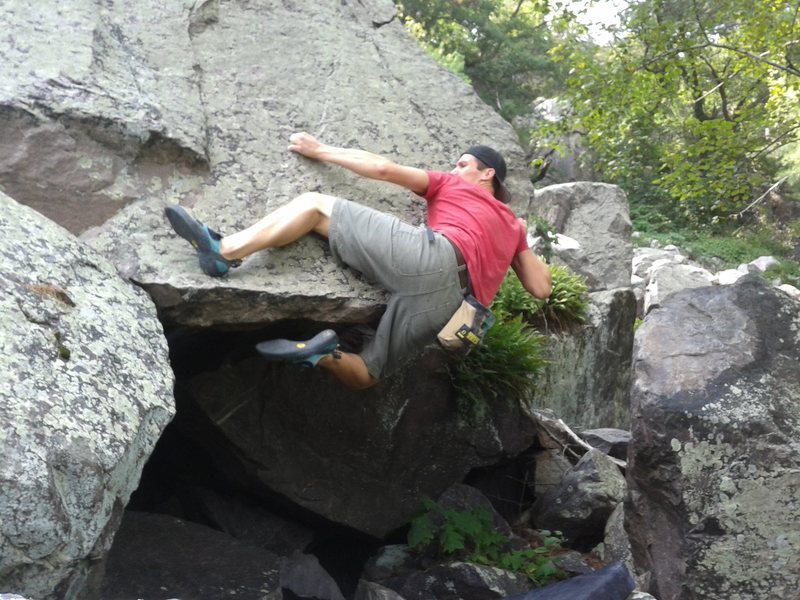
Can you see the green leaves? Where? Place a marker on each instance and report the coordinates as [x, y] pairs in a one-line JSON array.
[[500, 46], [472, 535], [697, 100], [568, 302], [513, 352]]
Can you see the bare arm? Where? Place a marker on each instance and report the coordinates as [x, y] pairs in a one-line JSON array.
[[533, 274], [360, 162]]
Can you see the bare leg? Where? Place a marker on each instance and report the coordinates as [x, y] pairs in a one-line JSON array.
[[350, 370], [306, 213]]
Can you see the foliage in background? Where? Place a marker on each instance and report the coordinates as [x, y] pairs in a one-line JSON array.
[[471, 535], [692, 109], [500, 46], [692, 103], [513, 352]]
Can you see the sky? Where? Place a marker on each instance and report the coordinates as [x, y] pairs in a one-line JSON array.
[[598, 13]]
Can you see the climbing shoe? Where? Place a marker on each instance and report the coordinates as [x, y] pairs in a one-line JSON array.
[[304, 353], [203, 239]]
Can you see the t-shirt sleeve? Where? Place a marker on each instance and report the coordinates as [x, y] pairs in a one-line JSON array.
[[522, 242], [435, 181]]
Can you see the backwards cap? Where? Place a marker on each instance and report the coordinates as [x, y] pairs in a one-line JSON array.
[[493, 159]]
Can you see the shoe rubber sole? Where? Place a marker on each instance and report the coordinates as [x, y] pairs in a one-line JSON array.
[[325, 342], [188, 228], [211, 261]]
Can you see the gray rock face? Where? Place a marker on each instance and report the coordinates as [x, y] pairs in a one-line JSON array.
[[87, 392], [346, 72], [596, 216], [713, 463], [89, 116], [587, 384]]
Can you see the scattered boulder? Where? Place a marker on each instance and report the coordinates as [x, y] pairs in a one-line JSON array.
[[613, 442], [667, 277], [763, 263], [582, 502], [612, 582], [616, 546], [462, 497], [549, 468], [727, 277], [657, 272], [458, 580], [368, 590], [713, 461], [87, 392], [390, 561], [303, 576], [791, 290]]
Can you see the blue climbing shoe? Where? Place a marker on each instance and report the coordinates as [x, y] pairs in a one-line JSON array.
[[203, 239], [305, 353]]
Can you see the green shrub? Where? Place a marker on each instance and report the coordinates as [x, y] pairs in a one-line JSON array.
[[513, 352], [471, 535], [504, 366], [568, 301]]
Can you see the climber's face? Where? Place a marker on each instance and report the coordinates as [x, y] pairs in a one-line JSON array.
[[473, 171]]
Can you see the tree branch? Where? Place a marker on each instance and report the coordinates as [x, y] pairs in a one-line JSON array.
[[761, 197], [759, 57]]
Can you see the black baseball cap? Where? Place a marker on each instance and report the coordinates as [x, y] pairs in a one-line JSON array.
[[493, 159]]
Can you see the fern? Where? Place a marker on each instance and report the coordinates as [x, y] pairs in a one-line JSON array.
[[471, 535]]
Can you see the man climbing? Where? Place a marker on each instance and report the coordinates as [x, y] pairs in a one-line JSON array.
[[471, 239]]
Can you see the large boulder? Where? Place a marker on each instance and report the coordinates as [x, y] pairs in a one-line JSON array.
[[364, 460], [87, 391], [165, 103], [596, 215], [714, 467], [362, 85], [587, 382]]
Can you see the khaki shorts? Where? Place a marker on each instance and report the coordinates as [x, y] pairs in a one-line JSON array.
[[420, 274]]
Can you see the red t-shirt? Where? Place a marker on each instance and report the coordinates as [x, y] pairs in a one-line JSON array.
[[484, 229]]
